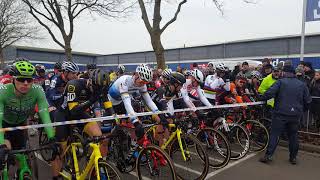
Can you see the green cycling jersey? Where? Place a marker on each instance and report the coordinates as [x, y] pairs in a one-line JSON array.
[[16, 109]]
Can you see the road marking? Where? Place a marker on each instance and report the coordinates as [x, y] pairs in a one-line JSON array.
[[143, 177], [211, 158], [187, 169], [230, 165]]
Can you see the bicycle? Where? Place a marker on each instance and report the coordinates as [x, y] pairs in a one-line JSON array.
[[96, 168], [149, 161], [237, 135], [28, 166], [182, 143]]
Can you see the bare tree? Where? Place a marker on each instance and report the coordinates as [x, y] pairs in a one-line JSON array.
[[155, 31], [62, 14], [14, 25]]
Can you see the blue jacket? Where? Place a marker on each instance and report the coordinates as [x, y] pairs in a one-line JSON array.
[[291, 95]]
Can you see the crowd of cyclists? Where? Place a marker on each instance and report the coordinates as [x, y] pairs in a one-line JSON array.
[[68, 94]]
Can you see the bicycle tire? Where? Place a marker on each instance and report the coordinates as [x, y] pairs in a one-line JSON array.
[[259, 135], [202, 171], [141, 162], [110, 171], [215, 145], [236, 144]]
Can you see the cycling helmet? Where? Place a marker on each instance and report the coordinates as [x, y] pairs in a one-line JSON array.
[[121, 68], [198, 75], [187, 73], [256, 74], [40, 68], [23, 69], [166, 73], [178, 78], [58, 65], [99, 78], [221, 66], [210, 64], [144, 72], [70, 66], [91, 66]]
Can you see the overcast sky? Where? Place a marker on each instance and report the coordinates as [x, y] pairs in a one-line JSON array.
[[199, 23]]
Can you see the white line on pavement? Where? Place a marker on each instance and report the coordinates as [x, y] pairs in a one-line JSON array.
[[187, 169], [230, 165], [211, 158], [143, 177]]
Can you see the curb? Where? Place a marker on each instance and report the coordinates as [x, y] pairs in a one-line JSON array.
[[303, 146]]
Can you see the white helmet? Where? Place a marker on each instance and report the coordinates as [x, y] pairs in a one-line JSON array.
[[198, 75], [70, 66], [144, 72], [221, 66], [121, 67], [166, 73]]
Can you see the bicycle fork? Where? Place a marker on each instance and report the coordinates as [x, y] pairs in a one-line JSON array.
[[23, 165]]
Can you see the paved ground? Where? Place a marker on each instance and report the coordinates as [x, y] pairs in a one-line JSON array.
[[250, 169]]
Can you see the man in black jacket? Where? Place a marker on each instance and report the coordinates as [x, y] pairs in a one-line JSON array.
[[292, 98]]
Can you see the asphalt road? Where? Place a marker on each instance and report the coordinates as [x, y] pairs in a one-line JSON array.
[[246, 168]]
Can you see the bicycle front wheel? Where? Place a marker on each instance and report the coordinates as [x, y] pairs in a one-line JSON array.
[[106, 172], [195, 164], [259, 135], [154, 163], [216, 145]]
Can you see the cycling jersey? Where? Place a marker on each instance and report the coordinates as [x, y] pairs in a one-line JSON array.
[[76, 97], [215, 85], [43, 81], [5, 79], [121, 89], [54, 93], [113, 76], [16, 109], [195, 92]]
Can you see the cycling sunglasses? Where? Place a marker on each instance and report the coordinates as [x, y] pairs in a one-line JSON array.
[[29, 80]]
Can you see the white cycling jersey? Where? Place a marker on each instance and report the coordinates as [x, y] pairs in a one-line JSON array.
[[120, 91], [214, 84]]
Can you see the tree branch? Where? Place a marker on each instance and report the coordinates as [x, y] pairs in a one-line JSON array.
[[145, 16], [175, 16]]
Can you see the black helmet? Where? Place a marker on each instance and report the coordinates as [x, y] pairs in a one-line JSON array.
[[99, 78], [178, 78], [58, 65], [91, 66]]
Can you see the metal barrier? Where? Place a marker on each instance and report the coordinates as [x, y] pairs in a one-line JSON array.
[[311, 124]]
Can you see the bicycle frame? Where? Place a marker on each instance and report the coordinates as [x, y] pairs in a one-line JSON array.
[[176, 133], [23, 166], [93, 161]]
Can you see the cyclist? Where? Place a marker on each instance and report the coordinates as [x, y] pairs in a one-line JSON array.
[[6, 76], [119, 95], [121, 70], [58, 83], [215, 86], [79, 98], [90, 67], [192, 88], [41, 78], [17, 102]]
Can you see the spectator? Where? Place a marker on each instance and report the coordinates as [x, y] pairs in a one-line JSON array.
[[245, 70], [266, 70], [234, 73], [315, 105], [300, 74], [290, 103], [266, 61], [179, 69], [309, 72], [194, 66]]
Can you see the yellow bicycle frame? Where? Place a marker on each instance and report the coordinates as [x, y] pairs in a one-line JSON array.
[[176, 133], [93, 162]]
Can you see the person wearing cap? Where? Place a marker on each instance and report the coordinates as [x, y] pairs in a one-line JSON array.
[[292, 98], [308, 71]]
